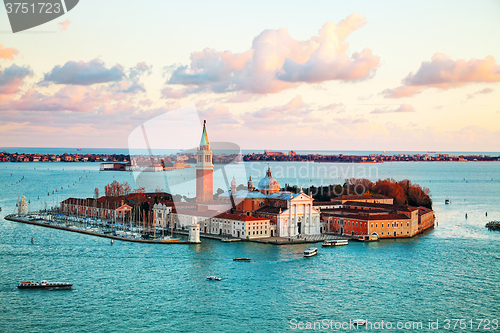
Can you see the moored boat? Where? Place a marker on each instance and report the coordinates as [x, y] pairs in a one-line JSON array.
[[310, 252], [44, 285], [335, 242], [241, 259]]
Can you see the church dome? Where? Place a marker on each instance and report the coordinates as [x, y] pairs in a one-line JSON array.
[[268, 184]]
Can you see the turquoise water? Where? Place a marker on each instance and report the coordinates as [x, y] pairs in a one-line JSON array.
[[450, 272]]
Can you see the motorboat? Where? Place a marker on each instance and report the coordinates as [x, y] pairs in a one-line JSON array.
[[241, 259], [310, 252], [359, 322], [335, 242], [44, 285], [213, 278]]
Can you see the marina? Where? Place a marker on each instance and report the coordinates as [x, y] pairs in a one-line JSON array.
[[121, 236]]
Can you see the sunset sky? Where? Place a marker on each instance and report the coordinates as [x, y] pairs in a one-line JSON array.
[[322, 75]]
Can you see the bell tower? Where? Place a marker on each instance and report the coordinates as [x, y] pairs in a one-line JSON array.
[[204, 169]]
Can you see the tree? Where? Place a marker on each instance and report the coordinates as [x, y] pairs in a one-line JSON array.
[[390, 188], [116, 189]]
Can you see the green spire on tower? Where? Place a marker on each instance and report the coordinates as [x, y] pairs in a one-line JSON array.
[[204, 136]]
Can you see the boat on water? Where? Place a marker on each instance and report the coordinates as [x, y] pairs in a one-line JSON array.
[[359, 322], [167, 239], [447, 201], [44, 285], [310, 252], [368, 238], [335, 242], [213, 278], [241, 259]]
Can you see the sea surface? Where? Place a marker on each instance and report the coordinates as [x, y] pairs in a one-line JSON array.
[[450, 272]]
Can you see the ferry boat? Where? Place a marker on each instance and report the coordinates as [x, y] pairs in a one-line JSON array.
[[241, 259], [335, 242], [44, 285], [213, 278], [310, 252]]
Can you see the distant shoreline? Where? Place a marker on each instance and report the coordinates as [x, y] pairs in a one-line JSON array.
[[170, 160]]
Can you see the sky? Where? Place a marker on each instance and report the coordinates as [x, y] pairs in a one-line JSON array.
[[277, 75]]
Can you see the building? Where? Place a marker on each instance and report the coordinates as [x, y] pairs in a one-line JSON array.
[[290, 214], [204, 169], [376, 198], [224, 224], [161, 212], [99, 208], [384, 220], [22, 206]]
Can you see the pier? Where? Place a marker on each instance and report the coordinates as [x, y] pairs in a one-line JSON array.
[[51, 224]]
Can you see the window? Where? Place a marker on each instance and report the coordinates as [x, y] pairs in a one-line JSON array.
[[376, 225], [407, 224], [371, 225], [382, 225]]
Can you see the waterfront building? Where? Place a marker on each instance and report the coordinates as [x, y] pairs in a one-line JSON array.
[[384, 220], [22, 206], [98, 208], [161, 212], [376, 198], [224, 224]]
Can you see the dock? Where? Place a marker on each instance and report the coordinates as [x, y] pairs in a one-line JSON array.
[[47, 224]]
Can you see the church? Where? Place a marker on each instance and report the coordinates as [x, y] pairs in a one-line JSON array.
[[289, 214]]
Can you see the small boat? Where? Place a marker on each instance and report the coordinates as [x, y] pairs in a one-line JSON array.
[[359, 322], [213, 278], [310, 252], [241, 259], [447, 201], [44, 285], [335, 242], [497, 257]]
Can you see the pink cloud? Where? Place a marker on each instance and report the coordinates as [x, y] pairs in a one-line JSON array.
[[276, 62], [350, 120], [333, 106], [64, 25], [12, 78], [273, 118], [171, 93], [444, 73], [480, 92], [7, 52], [401, 108]]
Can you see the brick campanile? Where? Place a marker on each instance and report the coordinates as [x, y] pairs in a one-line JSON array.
[[204, 169]]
